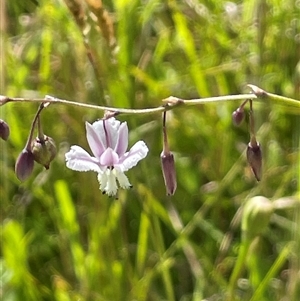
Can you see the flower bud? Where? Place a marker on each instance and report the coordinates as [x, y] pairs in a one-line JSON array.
[[24, 165], [169, 172], [43, 150], [238, 116], [4, 130], [254, 157], [256, 216]]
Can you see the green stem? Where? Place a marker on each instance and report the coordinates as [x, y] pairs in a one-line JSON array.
[[239, 265], [165, 269], [286, 101], [219, 99], [35, 119], [281, 100], [281, 259]]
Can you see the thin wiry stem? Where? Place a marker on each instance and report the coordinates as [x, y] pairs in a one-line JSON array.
[[35, 119], [165, 137], [274, 98], [252, 126], [168, 103]]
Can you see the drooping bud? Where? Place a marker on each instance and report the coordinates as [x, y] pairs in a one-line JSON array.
[[256, 216], [43, 150], [169, 172], [238, 116], [4, 130], [24, 165], [254, 157], [167, 162]]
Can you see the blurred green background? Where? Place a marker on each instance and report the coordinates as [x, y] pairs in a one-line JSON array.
[[61, 239]]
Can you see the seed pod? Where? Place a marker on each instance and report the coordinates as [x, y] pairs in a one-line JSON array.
[[44, 150], [254, 157], [169, 172], [4, 130], [24, 165], [238, 116], [256, 216]]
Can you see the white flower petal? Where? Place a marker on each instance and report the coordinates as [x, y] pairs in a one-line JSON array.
[[94, 139], [80, 160], [112, 127], [137, 152], [122, 179], [122, 141], [98, 128], [102, 178], [111, 187], [108, 183], [112, 130]]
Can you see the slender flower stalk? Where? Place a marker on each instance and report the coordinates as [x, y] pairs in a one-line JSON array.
[[33, 124], [254, 154], [25, 161]]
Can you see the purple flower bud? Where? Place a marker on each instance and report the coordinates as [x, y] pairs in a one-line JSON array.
[[254, 157], [238, 116], [4, 130], [43, 150], [169, 172], [24, 165]]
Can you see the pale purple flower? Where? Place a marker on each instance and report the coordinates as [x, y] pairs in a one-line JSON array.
[[108, 141]]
